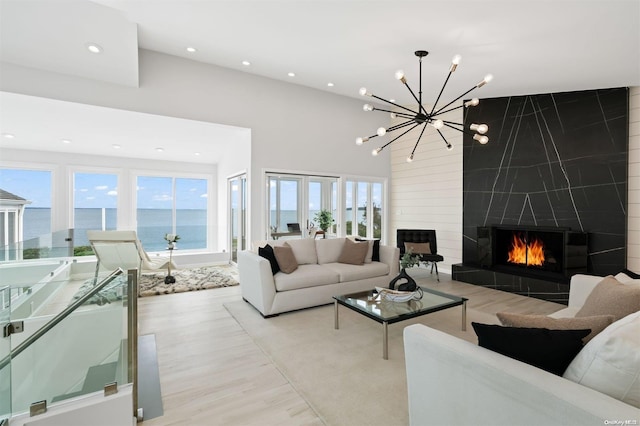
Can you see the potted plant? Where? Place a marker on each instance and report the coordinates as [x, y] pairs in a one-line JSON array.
[[171, 239], [324, 219]]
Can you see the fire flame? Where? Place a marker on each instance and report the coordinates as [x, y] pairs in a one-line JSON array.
[[523, 253]]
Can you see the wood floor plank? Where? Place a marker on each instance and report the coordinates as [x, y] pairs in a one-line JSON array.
[[212, 373]]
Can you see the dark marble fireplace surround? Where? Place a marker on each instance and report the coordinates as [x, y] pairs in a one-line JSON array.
[[553, 161]]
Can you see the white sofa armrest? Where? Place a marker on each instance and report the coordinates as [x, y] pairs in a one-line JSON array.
[[452, 381], [256, 281], [391, 256]]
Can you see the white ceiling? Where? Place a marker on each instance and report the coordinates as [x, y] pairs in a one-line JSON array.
[[530, 46]]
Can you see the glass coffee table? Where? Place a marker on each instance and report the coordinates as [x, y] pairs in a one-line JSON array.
[[388, 312]]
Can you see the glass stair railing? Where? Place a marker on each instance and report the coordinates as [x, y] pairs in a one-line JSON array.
[[86, 347]]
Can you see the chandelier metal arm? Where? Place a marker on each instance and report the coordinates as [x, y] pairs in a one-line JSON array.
[[417, 100], [400, 126], [449, 110], [443, 138], [464, 94], [393, 103], [440, 94], [417, 142], [460, 130], [400, 114], [399, 136]]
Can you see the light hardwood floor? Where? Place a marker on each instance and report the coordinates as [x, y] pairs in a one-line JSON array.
[[212, 373]]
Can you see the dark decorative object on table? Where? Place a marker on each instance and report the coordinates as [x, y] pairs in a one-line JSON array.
[[407, 261]]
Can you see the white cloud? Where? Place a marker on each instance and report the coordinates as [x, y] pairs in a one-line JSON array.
[[192, 190], [83, 190], [204, 196], [162, 197], [91, 198], [101, 187], [112, 193]]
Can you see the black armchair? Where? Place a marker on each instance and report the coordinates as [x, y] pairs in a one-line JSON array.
[[421, 236]]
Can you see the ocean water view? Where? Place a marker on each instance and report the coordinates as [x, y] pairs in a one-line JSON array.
[[153, 224]]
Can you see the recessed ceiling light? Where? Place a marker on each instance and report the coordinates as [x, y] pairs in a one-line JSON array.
[[94, 48], [196, 153], [291, 74], [246, 63], [330, 84], [392, 100], [8, 135], [65, 140], [115, 146], [191, 49], [160, 149]]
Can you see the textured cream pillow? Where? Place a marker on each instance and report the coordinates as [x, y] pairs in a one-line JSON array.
[[353, 253], [418, 248], [304, 249], [596, 323], [610, 363], [286, 260], [610, 297]]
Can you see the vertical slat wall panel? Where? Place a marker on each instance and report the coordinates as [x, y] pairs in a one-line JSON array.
[[633, 215]]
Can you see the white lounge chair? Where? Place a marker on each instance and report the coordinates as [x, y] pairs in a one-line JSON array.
[[123, 249]]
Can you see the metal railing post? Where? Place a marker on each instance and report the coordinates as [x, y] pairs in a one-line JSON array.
[[132, 326]]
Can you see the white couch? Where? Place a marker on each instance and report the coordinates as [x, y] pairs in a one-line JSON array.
[[454, 382], [318, 278]]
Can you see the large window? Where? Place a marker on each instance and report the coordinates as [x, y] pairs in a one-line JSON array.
[[363, 208], [27, 193], [95, 202], [172, 205]]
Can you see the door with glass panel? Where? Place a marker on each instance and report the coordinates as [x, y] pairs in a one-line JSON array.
[[285, 216], [322, 195], [237, 190]]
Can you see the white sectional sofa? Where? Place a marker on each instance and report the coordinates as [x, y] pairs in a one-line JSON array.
[[454, 382], [318, 278]]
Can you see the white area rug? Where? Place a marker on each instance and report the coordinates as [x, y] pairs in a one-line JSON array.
[[341, 373]]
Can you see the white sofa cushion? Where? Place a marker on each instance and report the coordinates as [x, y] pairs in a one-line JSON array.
[[304, 249], [305, 276], [610, 362], [348, 272], [329, 249]]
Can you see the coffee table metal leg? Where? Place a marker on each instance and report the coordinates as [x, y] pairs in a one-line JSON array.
[[385, 340], [336, 324], [464, 316]]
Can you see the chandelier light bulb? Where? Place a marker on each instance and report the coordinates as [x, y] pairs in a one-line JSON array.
[[367, 107], [437, 124], [455, 62], [480, 128], [487, 79], [482, 139], [410, 158], [376, 151], [363, 92], [400, 76], [473, 102], [360, 141], [381, 131], [449, 147], [393, 115]]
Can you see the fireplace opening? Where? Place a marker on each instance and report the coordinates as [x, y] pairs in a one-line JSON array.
[[533, 250], [529, 249]]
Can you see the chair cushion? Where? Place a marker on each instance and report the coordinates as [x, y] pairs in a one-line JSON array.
[[328, 249], [610, 362], [596, 323], [305, 276], [286, 259], [353, 252], [347, 272], [550, 350], [268, 253], [610, 297], [304, 249], [418, 248]]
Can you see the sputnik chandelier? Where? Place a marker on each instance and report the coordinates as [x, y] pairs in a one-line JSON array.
[[422, 117]]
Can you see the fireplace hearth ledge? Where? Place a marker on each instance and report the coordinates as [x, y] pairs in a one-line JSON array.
[[550, 290]]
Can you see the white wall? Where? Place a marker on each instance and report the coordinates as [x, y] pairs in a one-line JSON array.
[[427, 193], [292, 127], [633, 219]]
